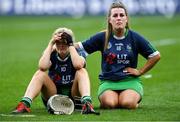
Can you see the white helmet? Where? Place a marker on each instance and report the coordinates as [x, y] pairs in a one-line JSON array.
[[60, 104]]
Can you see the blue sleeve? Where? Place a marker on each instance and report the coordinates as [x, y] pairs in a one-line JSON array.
[[94, 43], [81, 52], [144, 47]]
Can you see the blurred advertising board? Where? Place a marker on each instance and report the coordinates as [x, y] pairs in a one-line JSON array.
[[78, 8]]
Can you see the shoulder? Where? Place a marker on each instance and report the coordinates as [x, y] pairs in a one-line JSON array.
[[94, 43], [97, 38], [100, 34], [136, 36], [133, 33]]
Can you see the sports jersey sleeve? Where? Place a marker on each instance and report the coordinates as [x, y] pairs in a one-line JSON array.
[[145, 48], [81, 52], [94, 43]]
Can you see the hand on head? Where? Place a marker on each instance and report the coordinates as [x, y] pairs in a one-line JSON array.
[[56, 37], [68, 38], [63, 38]]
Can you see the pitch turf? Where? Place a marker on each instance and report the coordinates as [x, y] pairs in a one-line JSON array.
[[23, 39]]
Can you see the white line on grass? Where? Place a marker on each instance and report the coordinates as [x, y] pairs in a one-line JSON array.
[[147, 76], [164, 42], [17, 115]]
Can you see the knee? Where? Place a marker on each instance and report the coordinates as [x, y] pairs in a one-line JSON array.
[[129, 104], [108, 103], [81, 73]]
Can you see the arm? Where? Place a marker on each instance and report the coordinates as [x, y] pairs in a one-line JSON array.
[[44, 62], [148, 51], [77, 61], [148, 65], [93, 44]]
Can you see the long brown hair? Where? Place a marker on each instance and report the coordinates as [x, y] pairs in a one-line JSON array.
[[109, 30]]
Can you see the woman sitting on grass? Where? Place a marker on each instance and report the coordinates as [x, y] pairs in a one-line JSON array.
[[66, 74]]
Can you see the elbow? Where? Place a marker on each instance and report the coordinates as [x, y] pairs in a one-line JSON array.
[[158, 57], [42, 68], [79, 66]]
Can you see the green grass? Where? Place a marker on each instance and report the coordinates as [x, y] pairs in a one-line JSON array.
[[23, 39]]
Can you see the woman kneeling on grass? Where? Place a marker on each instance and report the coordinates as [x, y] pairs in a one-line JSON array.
[[120, 85], [66, 74]]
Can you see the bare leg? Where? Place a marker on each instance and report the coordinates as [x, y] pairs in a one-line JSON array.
[[40, 82], [81, 87], [81, 84], [129, 99]]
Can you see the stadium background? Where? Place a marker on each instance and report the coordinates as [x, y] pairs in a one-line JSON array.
[[26, 27], [79, 8]]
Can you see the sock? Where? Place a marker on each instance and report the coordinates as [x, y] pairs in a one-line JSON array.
[[27, 101], [86, 99]]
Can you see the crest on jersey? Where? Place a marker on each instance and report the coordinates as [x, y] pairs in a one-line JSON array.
[[129, 48], [109, 45]]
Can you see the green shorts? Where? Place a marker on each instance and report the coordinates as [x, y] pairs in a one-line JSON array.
[[128, 83], [64, 89]]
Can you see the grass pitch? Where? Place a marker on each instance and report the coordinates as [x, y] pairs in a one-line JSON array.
[[23, 39]]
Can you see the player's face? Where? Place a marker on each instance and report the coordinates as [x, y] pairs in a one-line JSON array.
[[62, 48], [118, 18]]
